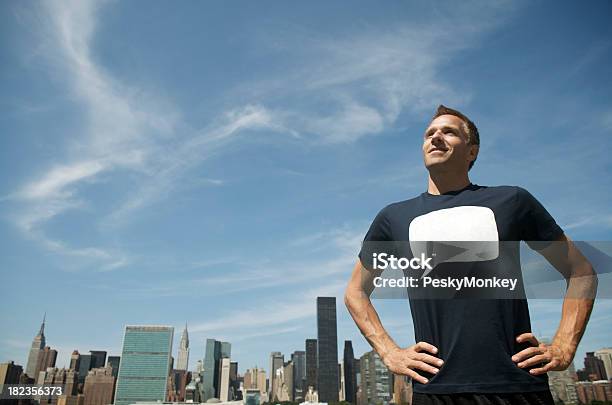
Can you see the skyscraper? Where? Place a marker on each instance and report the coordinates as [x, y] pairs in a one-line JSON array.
[[277, 360], [214, 352], [38, 343], [224, 379], [234, 382], [298, 358], [350, 376], [311, 364], [98, 358], [182, 362], [145, 364], [85, 364], [327, 350]]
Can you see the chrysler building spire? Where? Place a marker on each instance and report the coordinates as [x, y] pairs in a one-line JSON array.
[[183, 354]]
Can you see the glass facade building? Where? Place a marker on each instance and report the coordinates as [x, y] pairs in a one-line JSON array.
[[145, 364], [214, 352], [327, 350], [350, 377], [311, 364]]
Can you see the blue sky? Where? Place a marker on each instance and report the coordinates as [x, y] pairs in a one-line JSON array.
[[219, 164]]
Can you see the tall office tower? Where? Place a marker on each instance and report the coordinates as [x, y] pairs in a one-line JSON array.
[[182, 362], [214, 352], [594, 367], [234, 382], [605, 355], [376, 381], [85, 364], [327, 350], [75, 359], [283, 383], [298, 358], [350, 375], [114, 361], [145, 364], [99, 384], [38, 343], [311, 364], [277, 360], [46, 359], [224, 380], [98, 358]]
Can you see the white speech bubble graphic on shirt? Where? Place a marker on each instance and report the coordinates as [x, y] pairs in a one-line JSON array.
[[452, 235]]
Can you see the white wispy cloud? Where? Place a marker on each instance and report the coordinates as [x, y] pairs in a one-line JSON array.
[[127, 129], [366, 79]]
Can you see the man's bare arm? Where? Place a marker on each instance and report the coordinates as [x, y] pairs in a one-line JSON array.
[[397, 360], [578, 302]]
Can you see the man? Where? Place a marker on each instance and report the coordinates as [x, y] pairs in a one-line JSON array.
[[472, 350]]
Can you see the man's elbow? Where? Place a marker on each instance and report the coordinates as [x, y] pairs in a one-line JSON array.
[[352, 298], [584, 281], [348, 300]]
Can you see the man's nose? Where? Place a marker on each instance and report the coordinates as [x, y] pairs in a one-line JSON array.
[[437, 136]]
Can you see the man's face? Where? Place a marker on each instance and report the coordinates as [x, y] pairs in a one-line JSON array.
[[445, 144]]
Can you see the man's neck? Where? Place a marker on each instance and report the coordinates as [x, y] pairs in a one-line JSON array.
[[444, 182]]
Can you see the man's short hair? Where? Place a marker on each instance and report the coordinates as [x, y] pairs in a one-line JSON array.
[[468, 126]]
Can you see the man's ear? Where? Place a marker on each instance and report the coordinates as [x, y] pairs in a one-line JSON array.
[[474, 151]]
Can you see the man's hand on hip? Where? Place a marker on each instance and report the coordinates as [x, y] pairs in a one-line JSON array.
[[552, 357], [406, 361]]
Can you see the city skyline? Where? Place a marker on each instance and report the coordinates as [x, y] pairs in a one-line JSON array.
[[224, 351], [219, 165], [146, 370]]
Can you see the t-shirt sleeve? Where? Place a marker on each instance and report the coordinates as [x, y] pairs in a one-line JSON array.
[[377, 239], [537, 227]]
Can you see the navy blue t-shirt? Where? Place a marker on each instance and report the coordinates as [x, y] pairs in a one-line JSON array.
[[476, 338]]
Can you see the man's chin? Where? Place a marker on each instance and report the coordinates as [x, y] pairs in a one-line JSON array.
[[435, 163]]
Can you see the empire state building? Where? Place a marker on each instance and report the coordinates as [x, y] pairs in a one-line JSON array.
[[38, 345]]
